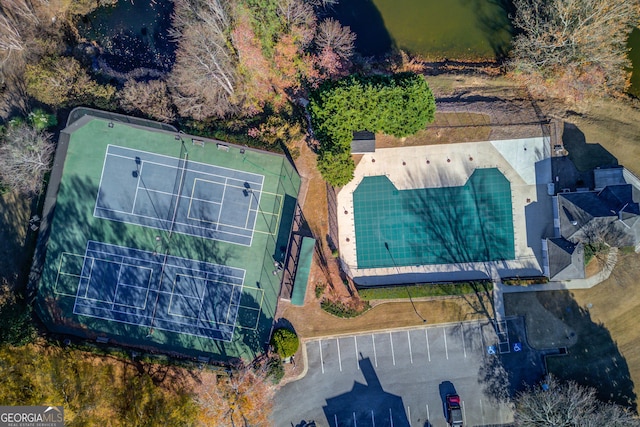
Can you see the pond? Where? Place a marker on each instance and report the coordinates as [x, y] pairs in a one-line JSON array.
[[134, 34], [439, 29], [634, 55], [433, 29]]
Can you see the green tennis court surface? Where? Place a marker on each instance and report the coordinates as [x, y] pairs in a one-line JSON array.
[[160, 239], [470, 223]]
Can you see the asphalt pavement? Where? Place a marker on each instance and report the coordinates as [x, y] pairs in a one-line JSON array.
[[401, 377]]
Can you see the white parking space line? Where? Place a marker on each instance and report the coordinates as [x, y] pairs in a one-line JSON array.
[[428, 417], [390, 417], [373, 419], [426, 335], [482, 412], [410, 352], [393, 355], [464, 414], [464, 348], [375, 356], [446, 350], [355, 340], [409, 415], [321, 360], [335, 418], [355, 423], [339, 359]]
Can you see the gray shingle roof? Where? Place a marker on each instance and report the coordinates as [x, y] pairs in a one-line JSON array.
[[566, 260]]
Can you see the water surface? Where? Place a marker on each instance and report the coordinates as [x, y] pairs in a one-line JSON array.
[[435, 29]]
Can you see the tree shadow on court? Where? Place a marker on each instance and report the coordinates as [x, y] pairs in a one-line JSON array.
[[366, 404]]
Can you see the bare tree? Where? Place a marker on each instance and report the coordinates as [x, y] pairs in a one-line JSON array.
[[569, 404], [204, 77], [584, 38], [331, 34], [25, 157], [297, 12], [149, 98], [10, 38]]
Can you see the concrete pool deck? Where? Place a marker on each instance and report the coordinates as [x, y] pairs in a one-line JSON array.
[[526, 163]]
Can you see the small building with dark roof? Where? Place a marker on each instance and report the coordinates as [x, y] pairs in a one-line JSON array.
[[363, 142]]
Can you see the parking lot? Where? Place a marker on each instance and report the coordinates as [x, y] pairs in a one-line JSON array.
[[401, 377]]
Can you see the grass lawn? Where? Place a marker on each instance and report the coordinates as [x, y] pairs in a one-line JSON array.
[[461, 127], [597, 325], [311, 321], [416, 291]]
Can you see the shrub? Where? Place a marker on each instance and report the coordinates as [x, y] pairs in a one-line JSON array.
[[398, 105], [42, 120], [17, 324], [320, 287], [61, 81], [340, 309], [593, 249], [285, 342], [275, 370]]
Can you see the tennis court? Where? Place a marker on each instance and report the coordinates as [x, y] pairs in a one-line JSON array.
[[470, 223], [165, 240], [157, 291], [180, 195]]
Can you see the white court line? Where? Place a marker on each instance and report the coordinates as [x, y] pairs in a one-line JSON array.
[[446, 350], [115, 293], [355, 340], [182, 196], [154, 326], [104, 162], [86, 292], [339, 359], [375, 355], [121, 263], [426, 335], [224, 190], [161, 221], [322, 363], [464, 347], [135, 197], [410, 352], [393, 355], [148, 261], [175, 158]]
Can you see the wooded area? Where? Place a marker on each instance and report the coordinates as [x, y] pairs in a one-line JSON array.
[[574, 48]]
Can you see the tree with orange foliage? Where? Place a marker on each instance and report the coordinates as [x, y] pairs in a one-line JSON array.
[[245, 398]]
